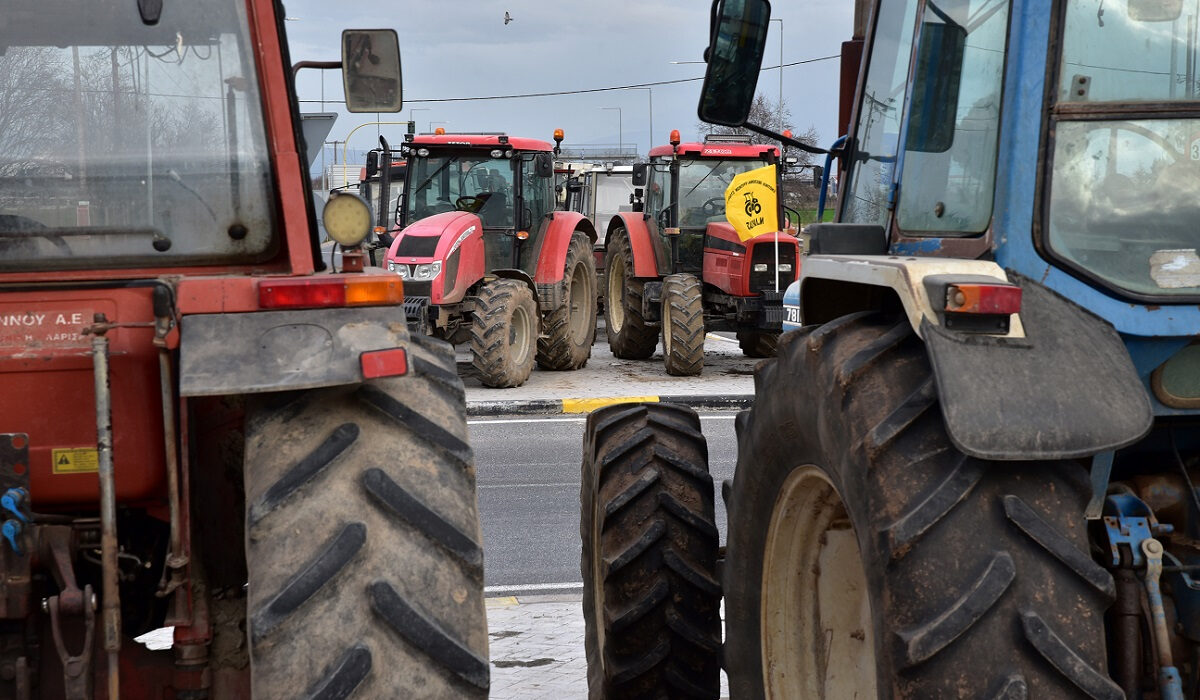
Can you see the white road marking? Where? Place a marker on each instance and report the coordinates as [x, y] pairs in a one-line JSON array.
[[535, 587]]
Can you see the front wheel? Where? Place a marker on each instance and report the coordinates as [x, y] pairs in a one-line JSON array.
[[650, 595], [682, 325], [867, 557], [504, 333], [629, 336], [363, 539], [570, 328]]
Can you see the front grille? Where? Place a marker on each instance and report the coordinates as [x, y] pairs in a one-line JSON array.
[[763, 252], [418, 289], [417, 246]]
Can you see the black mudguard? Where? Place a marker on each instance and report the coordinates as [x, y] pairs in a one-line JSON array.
[[1068, 389]]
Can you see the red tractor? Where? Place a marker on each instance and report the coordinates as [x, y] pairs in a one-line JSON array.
[[676, 263], [200, 427], [486, 258]]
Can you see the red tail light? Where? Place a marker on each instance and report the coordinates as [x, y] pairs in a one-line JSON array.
[[332, 291], [983, 299]]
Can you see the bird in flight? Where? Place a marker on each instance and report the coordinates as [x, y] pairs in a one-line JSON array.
[[507, 17]]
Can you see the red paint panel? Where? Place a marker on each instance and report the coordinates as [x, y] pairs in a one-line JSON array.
[[645, 263], [553, 257], [384, 363], [517, 143], [717, 150], [47, 378]]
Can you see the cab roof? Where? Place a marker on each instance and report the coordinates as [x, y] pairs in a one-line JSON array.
[[717, 150], [517, 143]]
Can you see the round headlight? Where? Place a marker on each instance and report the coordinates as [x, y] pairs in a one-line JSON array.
[[347, 218], [401, 269], [423, 152]]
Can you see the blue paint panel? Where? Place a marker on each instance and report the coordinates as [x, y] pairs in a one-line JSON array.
[[1016, 183], [791, 307], [925, 246]]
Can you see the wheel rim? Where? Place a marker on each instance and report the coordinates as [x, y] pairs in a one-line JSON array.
[[816, 632], [518, 335], [578, 300], [616, 295]]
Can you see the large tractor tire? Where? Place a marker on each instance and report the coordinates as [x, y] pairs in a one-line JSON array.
[[569, 329], [683, 325], [363, 539], [756, 344], [650, 596], [629, 338], [504, 333], [867, 557]]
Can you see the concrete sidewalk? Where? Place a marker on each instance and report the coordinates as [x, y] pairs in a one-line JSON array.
[[536, 648], [727, 382]]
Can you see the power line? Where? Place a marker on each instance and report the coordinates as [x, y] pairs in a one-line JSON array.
[[583, 91]]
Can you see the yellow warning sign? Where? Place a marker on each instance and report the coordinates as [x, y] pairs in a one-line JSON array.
[[751, 203], [75, 460]]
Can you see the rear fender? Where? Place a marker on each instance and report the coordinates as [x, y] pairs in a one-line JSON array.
[[553, 258], [267, 351], [645, 261], [1059, 384]]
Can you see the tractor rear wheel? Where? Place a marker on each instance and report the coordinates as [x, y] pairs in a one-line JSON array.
[[756, 344], [571, 327], [629, 337], [683, 325], [504, 333], [363, 539], [650, 596], [867, 557]]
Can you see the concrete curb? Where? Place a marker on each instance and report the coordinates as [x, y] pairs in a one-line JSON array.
[[708, 402]]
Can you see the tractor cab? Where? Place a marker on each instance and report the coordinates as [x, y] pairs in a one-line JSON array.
[[507, 182], [685, 190]]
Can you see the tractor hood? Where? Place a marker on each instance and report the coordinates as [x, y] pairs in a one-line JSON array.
[[433, 238], [723, 230]]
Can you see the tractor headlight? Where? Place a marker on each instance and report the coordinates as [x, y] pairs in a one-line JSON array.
[[761, 267], [427, 271], [785, 267], [399, 268]]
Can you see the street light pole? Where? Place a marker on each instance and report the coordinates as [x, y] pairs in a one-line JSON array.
[[620, 130], [416, 109], [780, 21]]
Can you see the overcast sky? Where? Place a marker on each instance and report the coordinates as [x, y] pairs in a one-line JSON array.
[[462, 48]]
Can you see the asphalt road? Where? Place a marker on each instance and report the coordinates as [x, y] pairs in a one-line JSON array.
[[528, 483]]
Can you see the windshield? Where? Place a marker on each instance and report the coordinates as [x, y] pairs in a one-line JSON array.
[[1125, 194], [471, 182], [702, 185], [139, 145]]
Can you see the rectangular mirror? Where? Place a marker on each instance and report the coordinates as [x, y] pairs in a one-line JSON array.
[[734, 55], [936, 81], [371, 70], [639, 175], [544, 165]]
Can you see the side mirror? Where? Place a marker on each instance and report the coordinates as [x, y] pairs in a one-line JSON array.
[[818, 173], [543, 165], [1155, 10], [371, 70], [734, 55], [372, 163], [639, 175], [935, 88], [635, 199]]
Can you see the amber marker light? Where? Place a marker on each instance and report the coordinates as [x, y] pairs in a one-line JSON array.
[[440, 131], [983, 299], [674, 137], [522, 235]]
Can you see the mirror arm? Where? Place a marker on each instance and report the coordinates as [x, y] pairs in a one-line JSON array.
[[319, 65], [783, 139]]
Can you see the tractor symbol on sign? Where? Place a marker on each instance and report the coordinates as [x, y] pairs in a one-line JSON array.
[[752, 205]]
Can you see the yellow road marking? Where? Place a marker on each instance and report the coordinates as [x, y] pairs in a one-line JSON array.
[[501, 602], [589, 405]]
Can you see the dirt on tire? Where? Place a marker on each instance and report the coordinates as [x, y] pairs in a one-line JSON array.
[[568, 331], [629, 336], [363, 539], [651, 599], [683, 325], [504, 333], [979, 576]]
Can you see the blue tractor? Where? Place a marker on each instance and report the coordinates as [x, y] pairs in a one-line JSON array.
[[970, 471]]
